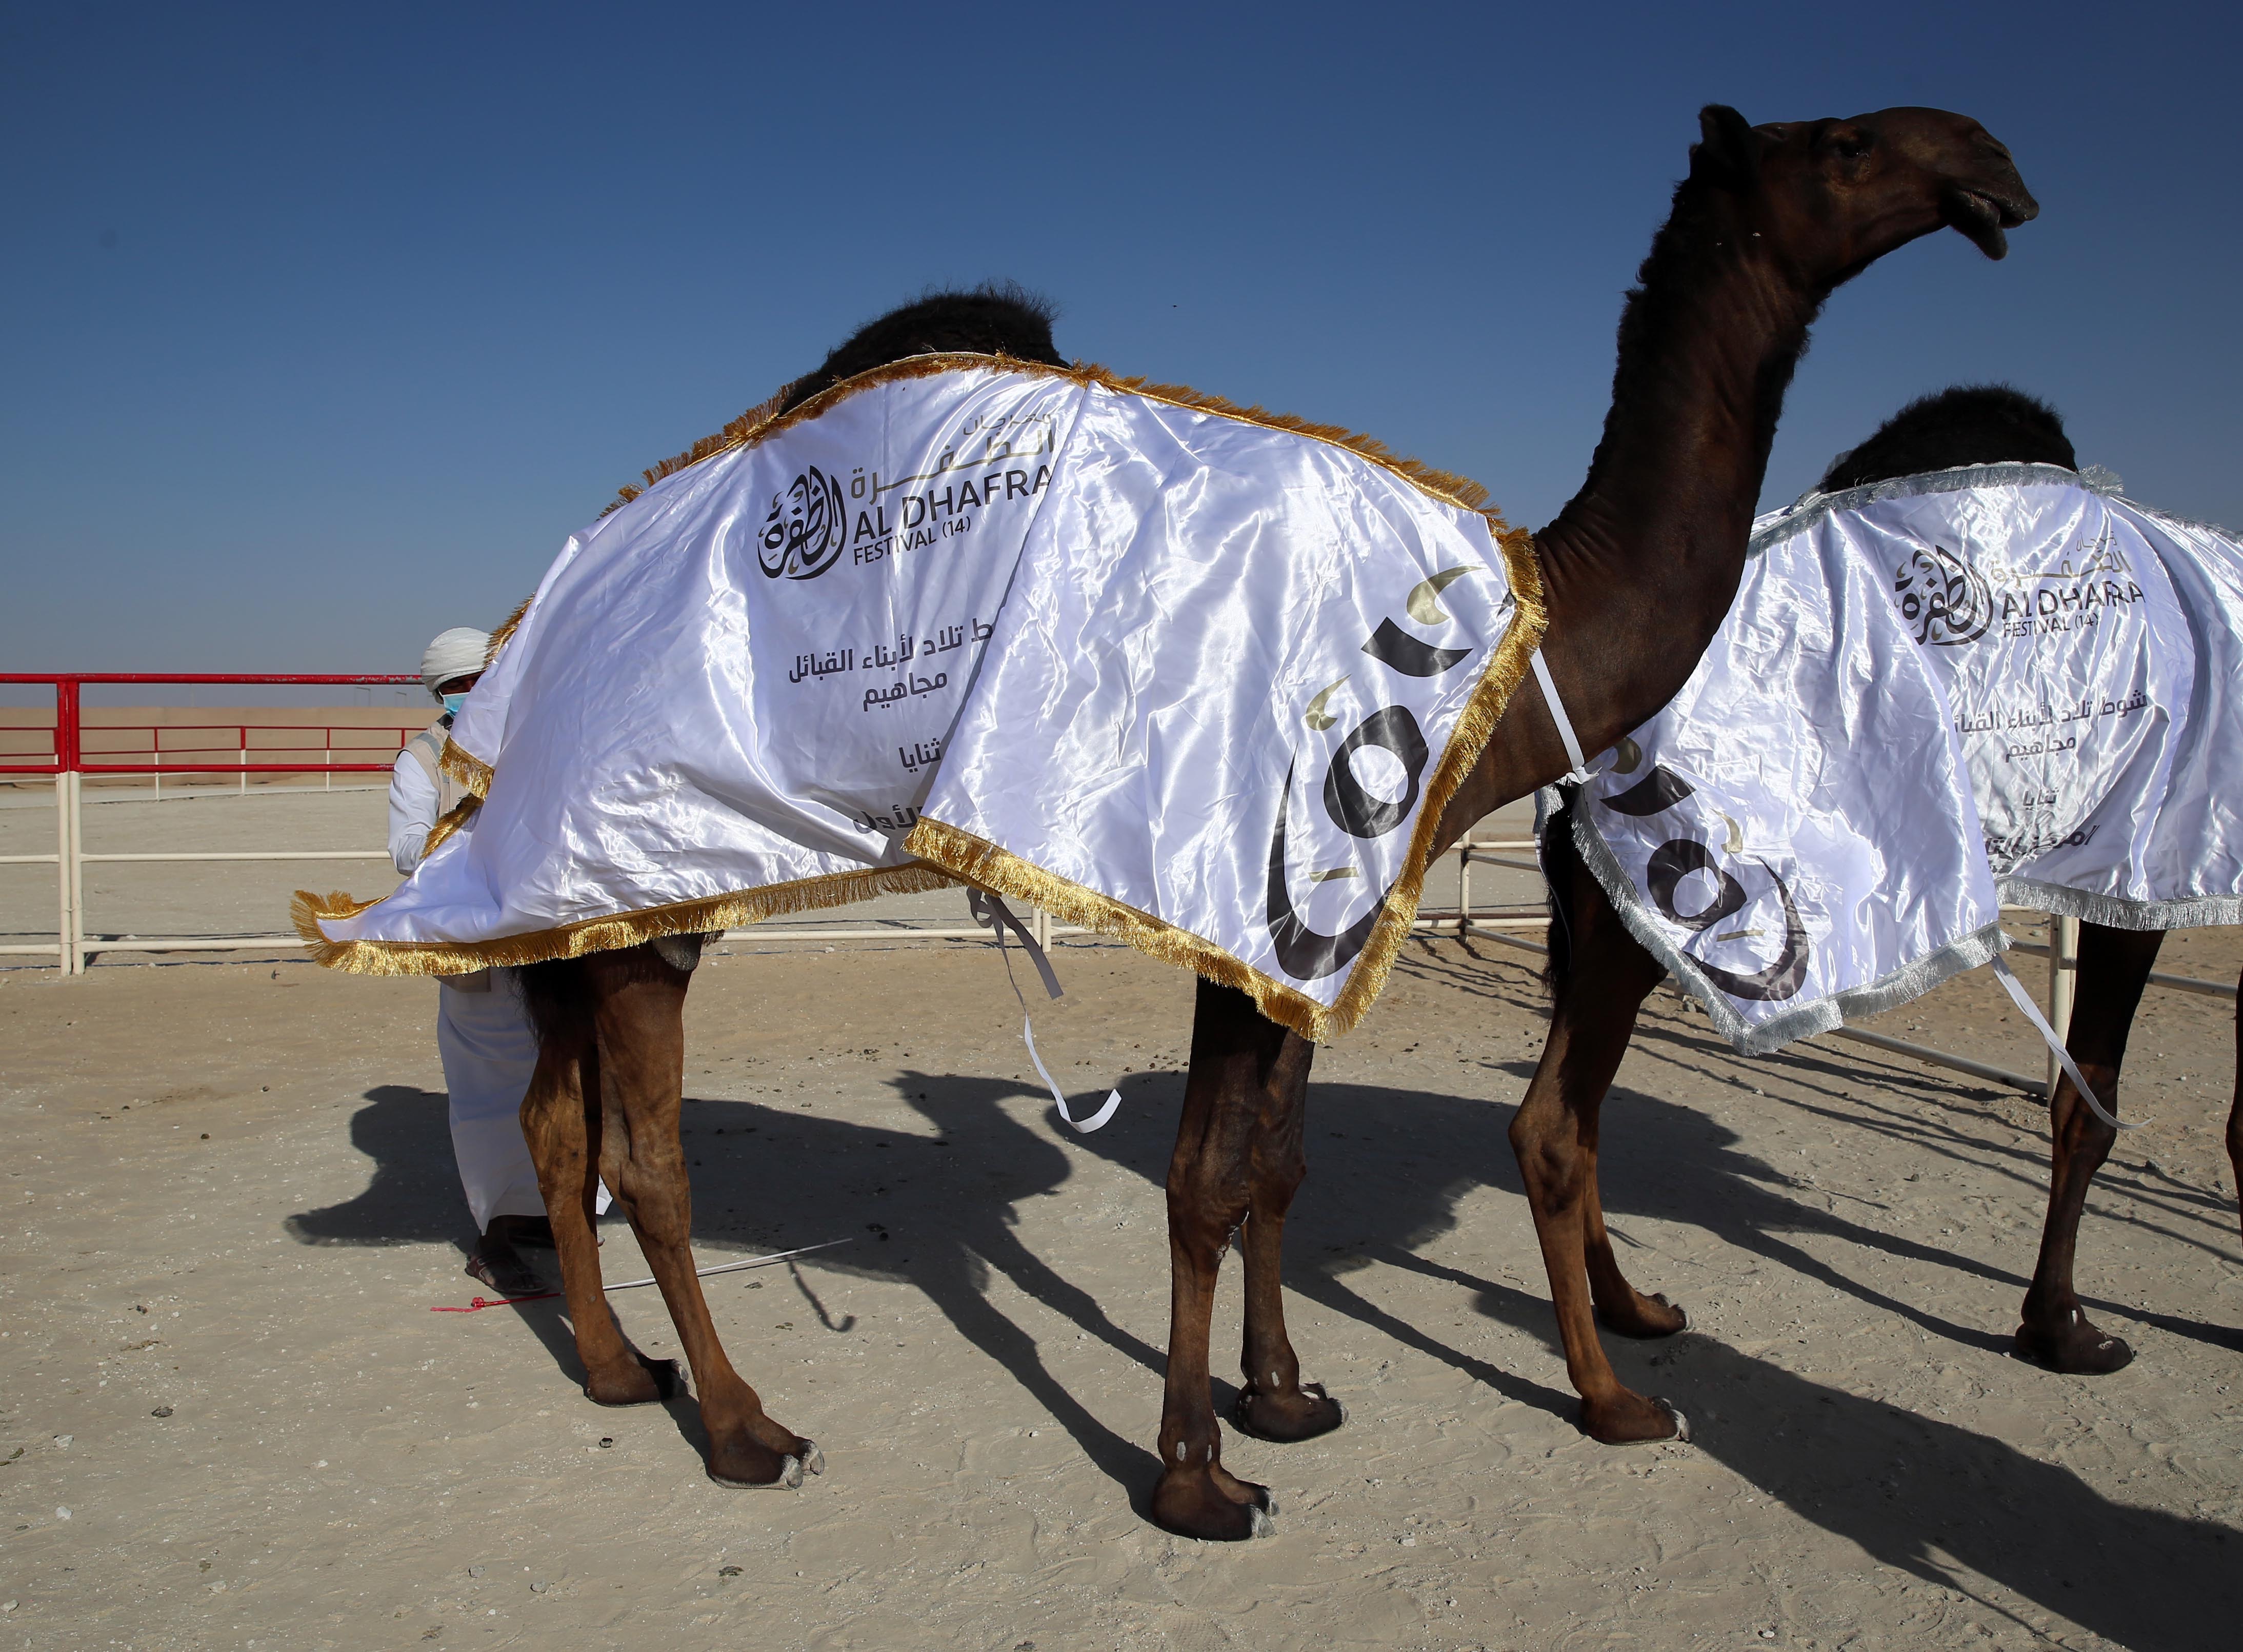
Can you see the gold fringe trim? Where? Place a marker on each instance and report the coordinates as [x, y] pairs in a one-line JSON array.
[[764, 422], [1447, 485], [598, 933], [465, 766], [504, 635], [746, 429], [462, 765], [949, 854], [454, 818], [1513, 657], [978, 860]]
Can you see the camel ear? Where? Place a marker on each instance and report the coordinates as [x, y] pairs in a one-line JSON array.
[[1728, 150]]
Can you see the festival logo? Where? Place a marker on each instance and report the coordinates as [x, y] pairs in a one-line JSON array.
[[808, 525], [991, 459], [1943, 599]]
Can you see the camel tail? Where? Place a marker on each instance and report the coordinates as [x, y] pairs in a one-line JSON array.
[[1562, 872]]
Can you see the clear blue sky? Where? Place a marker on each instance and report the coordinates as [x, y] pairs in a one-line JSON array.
[[323, 326]]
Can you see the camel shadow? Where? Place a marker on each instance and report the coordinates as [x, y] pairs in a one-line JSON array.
[[938, 1208], [1921, 1496], [1929, 1118]]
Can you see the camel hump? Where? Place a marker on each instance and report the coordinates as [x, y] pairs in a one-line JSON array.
[[996, 318], [1963, 424]]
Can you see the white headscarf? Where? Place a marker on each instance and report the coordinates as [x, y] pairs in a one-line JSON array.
[[456, 653]]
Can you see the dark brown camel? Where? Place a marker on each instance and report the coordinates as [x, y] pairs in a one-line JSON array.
[[1638, 570], [1600, 975]]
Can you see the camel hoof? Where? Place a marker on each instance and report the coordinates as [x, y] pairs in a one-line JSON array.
[[1649, 1317], [1286, 1419], [1193, 1506], [2078, 1351], [650, 1382], [1682, 1422], [1634, 1420], [790, 1478]]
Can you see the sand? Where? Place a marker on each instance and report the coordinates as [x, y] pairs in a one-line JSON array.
[[229, 1201]]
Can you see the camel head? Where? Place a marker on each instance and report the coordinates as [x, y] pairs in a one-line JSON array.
[[1833, 196]]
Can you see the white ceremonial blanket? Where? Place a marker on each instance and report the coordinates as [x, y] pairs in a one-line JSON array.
[[1932, 695], [1191, 675]]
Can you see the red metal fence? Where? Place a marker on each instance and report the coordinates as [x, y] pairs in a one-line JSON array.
[[75, 749]]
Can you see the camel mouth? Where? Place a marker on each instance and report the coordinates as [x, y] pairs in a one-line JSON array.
[[1982, 218]]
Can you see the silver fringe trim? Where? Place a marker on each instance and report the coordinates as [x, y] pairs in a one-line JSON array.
[[2196, 912], [1910, 980], [1813, 507], [2156, 515]]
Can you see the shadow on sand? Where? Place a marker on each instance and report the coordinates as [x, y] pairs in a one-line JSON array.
[[937, 1209]]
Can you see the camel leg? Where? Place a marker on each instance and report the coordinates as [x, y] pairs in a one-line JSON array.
[[638, 1004], [1274, 1404], [2114, 967], [2235, 1108], [561, 1121], [1601, 976], [1234, 1053], [1621, 1307]]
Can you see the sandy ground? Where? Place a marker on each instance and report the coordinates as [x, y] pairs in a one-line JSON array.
[[229, 1419]]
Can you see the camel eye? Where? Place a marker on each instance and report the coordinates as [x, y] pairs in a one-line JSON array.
[[1849, 146]]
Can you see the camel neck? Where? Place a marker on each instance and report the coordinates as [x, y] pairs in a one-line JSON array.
[[1641, 565]]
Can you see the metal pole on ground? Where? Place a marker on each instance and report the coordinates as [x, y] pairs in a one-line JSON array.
[[63, 925], [70, 880], [74, 942], [2063, 975]]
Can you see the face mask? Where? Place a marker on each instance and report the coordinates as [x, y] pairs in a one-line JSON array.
[[452, 702]]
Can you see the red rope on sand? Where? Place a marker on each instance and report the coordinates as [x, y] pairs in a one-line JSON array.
[[483, 1302]]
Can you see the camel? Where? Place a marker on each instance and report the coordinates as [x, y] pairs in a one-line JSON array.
[[1638, 569], [1600, 975]]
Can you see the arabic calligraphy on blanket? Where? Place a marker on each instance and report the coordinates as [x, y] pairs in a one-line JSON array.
[[2017, 695], [1174, 670]]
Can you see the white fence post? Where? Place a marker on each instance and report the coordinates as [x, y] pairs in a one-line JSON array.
[[2063, 975], [1463, 885], [70, 849], [62, 871]]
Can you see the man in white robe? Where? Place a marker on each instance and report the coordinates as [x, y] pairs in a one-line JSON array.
[[487, 1045]]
